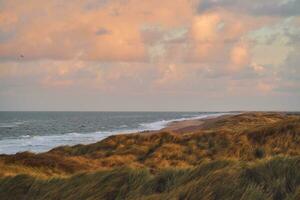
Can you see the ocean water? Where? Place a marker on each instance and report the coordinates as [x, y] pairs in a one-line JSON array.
[[42, 131]]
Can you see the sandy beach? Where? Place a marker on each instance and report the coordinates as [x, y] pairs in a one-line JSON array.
[[189, 125]]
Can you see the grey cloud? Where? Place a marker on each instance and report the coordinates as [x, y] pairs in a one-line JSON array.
[[291, 67], [95, 4], [255, 7], [102, 31], [154, 34]]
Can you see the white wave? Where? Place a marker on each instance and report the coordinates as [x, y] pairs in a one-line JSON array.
[[45, 143], [25, 136], [11, 124]]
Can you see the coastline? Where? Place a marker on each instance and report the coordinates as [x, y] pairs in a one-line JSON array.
[[182, 159], [191, 125], [44, 143], [180, 144], [186, 125]]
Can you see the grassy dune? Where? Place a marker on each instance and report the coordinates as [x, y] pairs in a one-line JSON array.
[[246, 156]]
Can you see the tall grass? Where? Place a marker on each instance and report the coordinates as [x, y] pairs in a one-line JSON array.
[[278, 178], [248, 156]]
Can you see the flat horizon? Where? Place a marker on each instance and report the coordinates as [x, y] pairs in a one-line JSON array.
[[111, 111]]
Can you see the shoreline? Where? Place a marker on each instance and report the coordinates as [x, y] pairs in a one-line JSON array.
[[246, 137], [40, 144], [186, 125], [192, 124]]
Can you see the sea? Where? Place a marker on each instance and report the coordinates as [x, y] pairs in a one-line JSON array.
[[42, 131]]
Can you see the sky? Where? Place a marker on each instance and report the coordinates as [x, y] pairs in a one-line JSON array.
[[149, 55]]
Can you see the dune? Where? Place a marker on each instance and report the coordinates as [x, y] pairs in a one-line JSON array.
[[254, 155]]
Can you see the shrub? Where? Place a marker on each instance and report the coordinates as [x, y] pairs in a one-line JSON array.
[[259, 152]]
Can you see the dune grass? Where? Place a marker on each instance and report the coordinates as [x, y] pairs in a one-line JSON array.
[[247, 156], [277, 178]]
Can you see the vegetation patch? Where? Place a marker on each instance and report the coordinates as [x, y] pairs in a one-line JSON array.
[[246, 156]]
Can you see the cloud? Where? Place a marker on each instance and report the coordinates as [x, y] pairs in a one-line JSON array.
[[219, 40], [239, 56], [283, 8], [205, 27], [102, 31], [67, 30], [290, 69], [155, 48], [169, 75]]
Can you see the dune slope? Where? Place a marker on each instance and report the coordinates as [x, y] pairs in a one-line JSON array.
[[246, 156]]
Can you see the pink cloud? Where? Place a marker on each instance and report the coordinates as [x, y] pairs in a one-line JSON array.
[[239, 56], [106, 47], [57, 30]]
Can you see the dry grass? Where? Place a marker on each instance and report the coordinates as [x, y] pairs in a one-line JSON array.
[[244, 137], [244, 147], [278, 178]]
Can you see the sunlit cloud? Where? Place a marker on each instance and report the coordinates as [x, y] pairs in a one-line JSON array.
[[218, 48]]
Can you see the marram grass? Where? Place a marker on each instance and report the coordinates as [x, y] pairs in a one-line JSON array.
[[249, 156]]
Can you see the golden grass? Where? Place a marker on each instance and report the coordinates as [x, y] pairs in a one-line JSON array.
[[247, 156], [277, 178], [245, 137]]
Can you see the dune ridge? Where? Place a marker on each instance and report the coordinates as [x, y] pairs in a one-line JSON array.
[[253, 155]]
